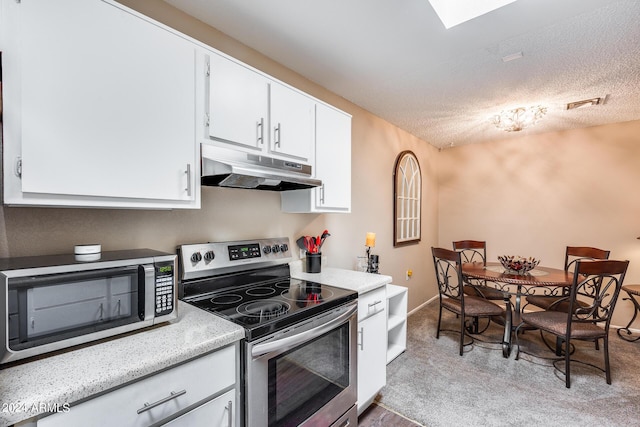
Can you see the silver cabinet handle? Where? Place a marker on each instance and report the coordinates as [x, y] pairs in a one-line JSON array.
[[322, 194], [373, 304], [370, 312], [260, 130], [229, 408], [173, 395], [276, 135], [188, 172], [361, 344]]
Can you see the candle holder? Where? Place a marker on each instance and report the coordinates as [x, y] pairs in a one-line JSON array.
[[372, 261]]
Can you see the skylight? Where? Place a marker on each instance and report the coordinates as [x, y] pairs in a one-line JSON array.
[[454, 12]]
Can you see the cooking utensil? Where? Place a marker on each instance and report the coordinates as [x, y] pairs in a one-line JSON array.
[[301, 243], [308, 244], [325, 234]]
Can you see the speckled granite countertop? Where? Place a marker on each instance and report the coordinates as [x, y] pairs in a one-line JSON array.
[[342, 278], [74, 375]]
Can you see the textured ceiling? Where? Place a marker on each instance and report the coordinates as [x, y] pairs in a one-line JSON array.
[[396, 59]]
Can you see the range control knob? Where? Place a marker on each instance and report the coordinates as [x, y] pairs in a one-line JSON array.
[[209, 256], [266, 249], [275, 248], [284, 247], [196, 257]]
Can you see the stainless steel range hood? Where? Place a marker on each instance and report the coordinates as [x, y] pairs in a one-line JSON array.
[[224, 167]]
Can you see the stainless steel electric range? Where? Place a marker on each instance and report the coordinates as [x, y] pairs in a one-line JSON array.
[[299, 359]]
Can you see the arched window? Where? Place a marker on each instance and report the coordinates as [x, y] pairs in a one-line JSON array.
[[407, 195]]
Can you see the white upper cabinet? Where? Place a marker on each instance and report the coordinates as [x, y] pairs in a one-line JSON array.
[[291, 122], [252, 112], [99, 107], [238, 104], [332, 166]]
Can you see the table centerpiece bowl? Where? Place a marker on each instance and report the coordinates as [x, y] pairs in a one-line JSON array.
[[518, 264]]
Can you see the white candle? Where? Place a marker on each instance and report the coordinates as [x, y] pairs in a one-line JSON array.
[[371, 240]]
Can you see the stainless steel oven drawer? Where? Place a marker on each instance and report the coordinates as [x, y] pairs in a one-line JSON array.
[[349, 419]]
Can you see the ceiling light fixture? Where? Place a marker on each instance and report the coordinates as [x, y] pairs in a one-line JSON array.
[[519, 118]]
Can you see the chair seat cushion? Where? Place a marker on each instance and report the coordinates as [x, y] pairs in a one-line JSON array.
[[632, 289], [474, 306], [483, 291], [555, 322], [552, 303]]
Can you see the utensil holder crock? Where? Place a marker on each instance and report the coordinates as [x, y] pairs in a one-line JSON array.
[[314, 262]]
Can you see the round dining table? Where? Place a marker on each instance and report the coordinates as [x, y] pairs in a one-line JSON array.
[[542, 281]]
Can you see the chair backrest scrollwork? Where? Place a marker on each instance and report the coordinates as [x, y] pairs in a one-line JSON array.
[[601, 281], [448, 267]]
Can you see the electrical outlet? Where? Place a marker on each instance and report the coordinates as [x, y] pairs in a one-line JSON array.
[[409, 274]]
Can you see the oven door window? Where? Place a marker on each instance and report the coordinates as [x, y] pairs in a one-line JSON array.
[[46, 309], [303, 380]]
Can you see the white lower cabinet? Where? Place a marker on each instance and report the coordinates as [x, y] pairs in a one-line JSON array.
[[204, 388], [372, 346]]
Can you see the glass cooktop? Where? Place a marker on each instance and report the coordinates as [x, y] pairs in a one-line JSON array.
[[265, 307]]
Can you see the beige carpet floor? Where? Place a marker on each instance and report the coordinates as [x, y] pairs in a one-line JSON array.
[[431, 384]]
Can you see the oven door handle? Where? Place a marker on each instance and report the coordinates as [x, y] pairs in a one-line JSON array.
[[292, 341]]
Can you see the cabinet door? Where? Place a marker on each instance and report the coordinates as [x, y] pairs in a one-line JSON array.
[[372, 358], [332, 166], [107, 103], [291, 123], [333, 159], [238, 104], [218, 412]]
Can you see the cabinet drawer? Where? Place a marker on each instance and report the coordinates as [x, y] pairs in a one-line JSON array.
[[128, 406], [371, 302]]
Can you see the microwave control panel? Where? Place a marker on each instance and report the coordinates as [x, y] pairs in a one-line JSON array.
[[165, 288]]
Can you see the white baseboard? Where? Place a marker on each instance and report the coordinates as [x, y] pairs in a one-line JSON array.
[[422, 305]]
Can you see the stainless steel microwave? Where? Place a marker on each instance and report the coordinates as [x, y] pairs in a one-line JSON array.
[[53, 302]]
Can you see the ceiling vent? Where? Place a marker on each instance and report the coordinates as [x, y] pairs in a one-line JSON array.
[[585, 103]]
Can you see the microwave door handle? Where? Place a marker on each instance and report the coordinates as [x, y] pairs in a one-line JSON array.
[[149, 297], [260, 349]]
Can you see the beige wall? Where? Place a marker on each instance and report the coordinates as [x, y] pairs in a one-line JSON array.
[[533, 196], [237, 214]]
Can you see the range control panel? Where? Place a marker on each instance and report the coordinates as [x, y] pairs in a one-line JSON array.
[[208, 259], [238, 252]]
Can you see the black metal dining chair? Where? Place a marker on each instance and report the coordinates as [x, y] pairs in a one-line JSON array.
[[601, 280], [476, 251], [448, 269], [573, 254]]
